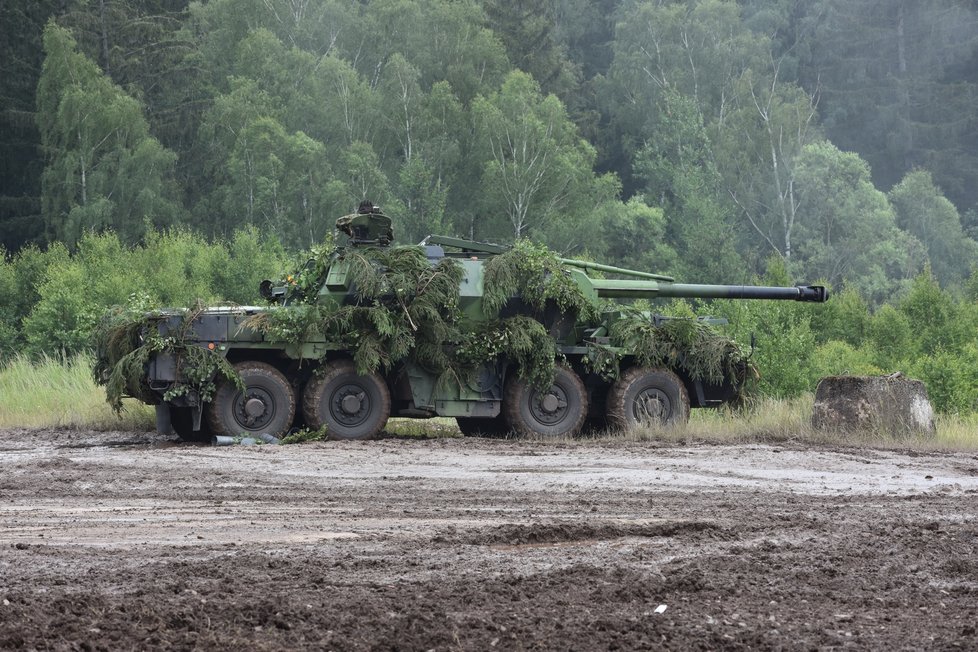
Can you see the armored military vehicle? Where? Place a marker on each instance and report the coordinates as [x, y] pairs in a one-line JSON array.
[[503, 339]]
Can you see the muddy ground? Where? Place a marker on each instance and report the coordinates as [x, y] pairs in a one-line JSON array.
[[132, 541]]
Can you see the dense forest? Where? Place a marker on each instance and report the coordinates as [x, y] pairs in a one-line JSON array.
[[715, 140]]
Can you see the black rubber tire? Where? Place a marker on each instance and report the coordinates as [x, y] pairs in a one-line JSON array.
[[182, 421], [527, 413], [491, 427], [226, 413], [645, 396], [322, 402]]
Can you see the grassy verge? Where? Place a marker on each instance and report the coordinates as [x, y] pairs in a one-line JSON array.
[[61, 393], [53, 392], [789, 420]]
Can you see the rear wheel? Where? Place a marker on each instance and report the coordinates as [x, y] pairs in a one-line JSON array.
[[646, 396], [265, 405], [558, 411], [349, 405]]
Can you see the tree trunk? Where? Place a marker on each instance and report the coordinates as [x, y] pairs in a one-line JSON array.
[[105, 38]]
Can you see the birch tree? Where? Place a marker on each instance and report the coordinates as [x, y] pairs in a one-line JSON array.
[[103, 169], [534, 163]]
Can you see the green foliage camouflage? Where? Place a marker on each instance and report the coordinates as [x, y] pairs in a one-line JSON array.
[[535, 274], [682, 343], [305, 282], [407, 309], [520, 339], [124, 343]]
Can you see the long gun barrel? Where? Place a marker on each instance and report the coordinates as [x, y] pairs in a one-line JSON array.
[[629, 289]]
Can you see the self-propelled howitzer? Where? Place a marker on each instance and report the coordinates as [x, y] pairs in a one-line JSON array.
[[503, 339]]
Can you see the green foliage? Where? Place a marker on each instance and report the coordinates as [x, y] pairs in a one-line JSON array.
[[951, 377], [21, 277], [939, 320], [493, 120], [892, 337], [308, 278], [894, 86], [536, 275], [844, 318], [126, 340], [850, 232], [837, 358], [104, 169], [929, 334], [681, 343], [526, 27], [405, 307], [536, 170], [678, 167], [169, 269], [520, 340], [305, 435], [922, 210], [635, 233], [121, 357], [785, 342], [8, 318]]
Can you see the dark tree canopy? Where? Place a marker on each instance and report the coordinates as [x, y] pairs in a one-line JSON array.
[[564, 121]]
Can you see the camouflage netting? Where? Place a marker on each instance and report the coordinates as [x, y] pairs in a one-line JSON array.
[[692, 346], [405, 309], [125, 341], [536, 274]]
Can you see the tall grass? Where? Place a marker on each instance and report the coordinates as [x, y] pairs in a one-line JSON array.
[[789, 421], [56, 392]]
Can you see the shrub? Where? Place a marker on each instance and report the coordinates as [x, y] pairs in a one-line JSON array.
[[837, 358], [171, 269]]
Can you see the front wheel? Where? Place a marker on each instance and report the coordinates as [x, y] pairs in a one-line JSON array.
[[558, 411], [349, 405], [647, 396], [265, 405]]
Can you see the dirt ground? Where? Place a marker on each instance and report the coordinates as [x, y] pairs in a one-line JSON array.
[[131, 541]]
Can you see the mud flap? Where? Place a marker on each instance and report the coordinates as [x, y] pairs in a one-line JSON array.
[[163, 424]]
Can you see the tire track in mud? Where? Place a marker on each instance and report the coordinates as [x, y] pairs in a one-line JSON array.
[[479, 544]]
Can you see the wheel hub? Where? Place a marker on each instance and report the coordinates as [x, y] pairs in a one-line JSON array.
[[254, 407], [351, 403], [549, 408], [652, 406], [550, 403]]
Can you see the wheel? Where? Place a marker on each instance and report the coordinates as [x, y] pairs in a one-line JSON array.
[[266, 405], [557, 412], [351, 406], [182, 421], [494, 427], [644, 396]]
